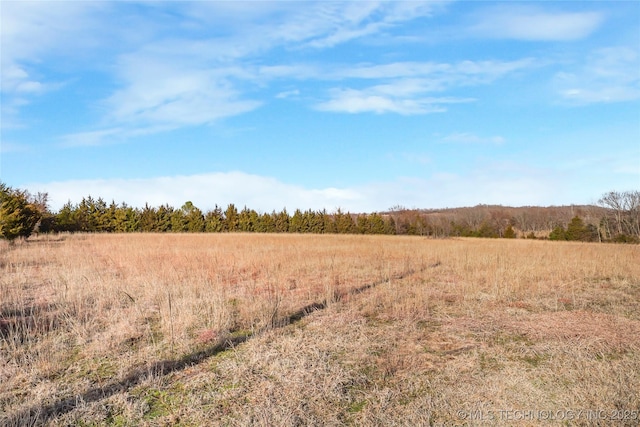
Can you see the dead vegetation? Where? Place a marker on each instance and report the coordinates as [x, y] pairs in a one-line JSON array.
[[244, 329]]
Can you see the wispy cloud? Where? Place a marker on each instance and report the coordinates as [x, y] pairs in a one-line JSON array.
[[406, 85], [608, 75], [509, 21], [13, 147], [33, 31], [438, 75], [168, 79], [19, 88], [15, 80], [288, 94], [371, 100], [161, 92], [92, 138], [342, 23], [209, 70], [30, 29]]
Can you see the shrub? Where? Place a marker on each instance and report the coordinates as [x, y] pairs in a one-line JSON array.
[[18, 217]]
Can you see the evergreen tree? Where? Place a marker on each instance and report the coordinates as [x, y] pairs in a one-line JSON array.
[[110, 220], [247, 220], [66, 218], [412, 227], [163, 215], [558, 233], [193, 218], [178, 221], [231, 218], [376, 224], [281, 221], [91, 215], [577, 230], [148, 219], [313, 222], [344, 223], [362, 224], [296, 225], [82, 215], [254, 220], [509, 233], [101, 216], [390, 225], [267, 223], [328, 223], [18, 217], [214, 220], [127, 219], [487, 229]]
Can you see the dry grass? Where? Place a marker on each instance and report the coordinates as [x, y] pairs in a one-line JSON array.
[[220, 329]]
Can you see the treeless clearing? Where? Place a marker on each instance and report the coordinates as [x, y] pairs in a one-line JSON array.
[[236, 329]]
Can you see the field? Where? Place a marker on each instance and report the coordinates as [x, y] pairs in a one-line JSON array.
[[259, 329]]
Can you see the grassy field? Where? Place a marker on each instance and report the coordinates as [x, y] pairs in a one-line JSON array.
[[248, 329]]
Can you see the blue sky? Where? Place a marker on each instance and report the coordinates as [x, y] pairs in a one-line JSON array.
[[311, 105]]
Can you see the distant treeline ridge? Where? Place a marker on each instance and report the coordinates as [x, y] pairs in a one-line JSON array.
[[616, 218]]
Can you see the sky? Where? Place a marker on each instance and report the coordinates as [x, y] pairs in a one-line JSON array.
[[358, 105]]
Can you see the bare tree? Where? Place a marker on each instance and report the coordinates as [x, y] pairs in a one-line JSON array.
[[624, 212]]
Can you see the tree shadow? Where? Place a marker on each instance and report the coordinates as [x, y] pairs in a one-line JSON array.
[[38, 415]]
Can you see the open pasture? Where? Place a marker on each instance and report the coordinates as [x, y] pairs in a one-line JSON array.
[[255, 329]]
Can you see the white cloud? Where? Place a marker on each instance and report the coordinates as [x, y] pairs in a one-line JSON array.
[[288, 94], [373, 100], [531, 23], [507, 184], [204, 190], [406, 85], [608, 75], [16, 80]]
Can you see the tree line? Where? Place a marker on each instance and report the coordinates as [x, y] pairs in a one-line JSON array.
[[95, 215], [616, 218]]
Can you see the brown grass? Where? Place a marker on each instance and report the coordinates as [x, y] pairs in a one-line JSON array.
[[243, 329]]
